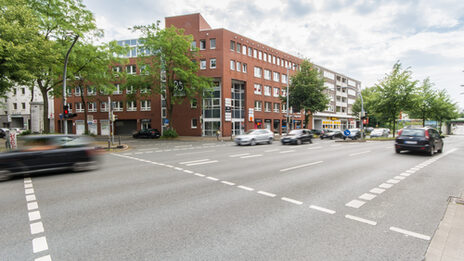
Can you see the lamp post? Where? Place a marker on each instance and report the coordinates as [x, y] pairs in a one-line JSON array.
[[65, 125], [362, 115], [287, 104]]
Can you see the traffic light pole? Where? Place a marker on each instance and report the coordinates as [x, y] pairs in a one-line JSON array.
[[362, 116], [64, 121]]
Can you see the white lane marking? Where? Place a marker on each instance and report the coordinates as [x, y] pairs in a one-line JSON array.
[[177, 168], [212, 178], [201, 163], [239, 155], [266, 193], [251, 156], [127, 154], [410, 171], [410, 233], [196, 152], [37, 228], [137, 153], [313, 148], [39, 244], [29, 191], [405, 174], [355, 203], [385, 185], [399, 177], [245, 188], [167, 150], [30, 198], [44, 258], [188, 171], [159, 151], [193, 161], [335, 145], [161, 164], [228, 183], [367, 196], [32, 206], [367, 221], [27, 180], [183, 146], [169, 166], [287, 151], [28, 185], [271, 150], [296, 202], [301, 166], [393, 181], [326, 210], [377, 190], [34, 215], [199, 175], [149, 151], [359, 153]]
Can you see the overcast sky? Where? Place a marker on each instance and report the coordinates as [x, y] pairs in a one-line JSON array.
[[359, 38]]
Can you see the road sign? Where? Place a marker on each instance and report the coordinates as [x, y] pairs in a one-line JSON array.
[[166, 121], [347, 132]]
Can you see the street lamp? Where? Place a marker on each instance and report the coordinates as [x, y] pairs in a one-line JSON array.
[[288, 107], [362, 114], [65, 125]]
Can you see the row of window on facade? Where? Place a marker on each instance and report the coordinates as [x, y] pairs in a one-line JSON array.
[[267, 91], [145, 105], [23, 91], [23, 106], [268, 107], [91, 91]]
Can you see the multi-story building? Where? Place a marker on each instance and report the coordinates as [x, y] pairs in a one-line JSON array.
[[249, 79]]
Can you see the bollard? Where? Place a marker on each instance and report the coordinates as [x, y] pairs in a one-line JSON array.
[[119, 137], [109, 144]]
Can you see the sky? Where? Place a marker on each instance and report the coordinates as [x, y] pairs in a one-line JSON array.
[[362, 39]]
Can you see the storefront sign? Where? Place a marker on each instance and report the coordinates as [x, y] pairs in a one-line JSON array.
[[251, 114]]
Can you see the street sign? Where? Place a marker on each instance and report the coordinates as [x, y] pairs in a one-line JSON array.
[[166, 121], [251, 114], [347, 132]]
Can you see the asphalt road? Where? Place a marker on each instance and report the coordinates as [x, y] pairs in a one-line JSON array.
[[217, 201]]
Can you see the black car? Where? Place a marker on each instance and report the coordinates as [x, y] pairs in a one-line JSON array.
[[424, 139], [2, 133], [147, 133], [330, 134], [317, 132], [50, 152], [297, 137]]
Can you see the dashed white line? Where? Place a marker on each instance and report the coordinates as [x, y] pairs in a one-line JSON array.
[[239, 155], [32, 206], [366, 221], [367, 196], [301, 166], [377, 190], [313, 148], [39, 244], [251, 156], [393, 181], [271, 150], [228, 183], [29, 191], [399, 177], [30, 198], [385, 185], [36, 228], [44, 258], [212, 178], [410, 233], [411, 171], [293, 201], [177, 168], [188, 171], [355, 203], [405, 174], [359, 153], [199, 175], [326, 210], [201, 163], [28, 185], [287, 151], [266, 193], [245, 188], [34, 215], [193, 161]]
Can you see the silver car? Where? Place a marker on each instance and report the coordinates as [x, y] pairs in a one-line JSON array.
[[380, 132], [255, 136]]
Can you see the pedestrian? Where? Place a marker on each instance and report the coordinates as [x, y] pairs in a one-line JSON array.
[[218, 132]]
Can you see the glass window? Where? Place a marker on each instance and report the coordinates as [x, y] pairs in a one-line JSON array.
[[79, 107], [116, 91], [23, 106], [194, 123], [258, 105], [255, 53], [104, 106], [202, 44], [193, 103], [258, 72], [267, 106], [232, 65], [212, 63], [267, 74], [276, 107], [265, 57], [244, 50], [250, 51], [23, 91], [193, 46], [276, 77], [239, 65], [92, 106], [202, 64], [260, 55], [132, 106], [267, 90], [244, 68], [145, 105], [276, 92], [131, 69], [212, 43], [232, 45], [258, 89], [284, 78], [239, 47]]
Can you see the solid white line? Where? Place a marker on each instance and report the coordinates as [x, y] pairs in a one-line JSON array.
[[201, 163], [251, 156], [367, 196], [39, 244], [177, 168], [359, 153], [137, 153], [245, 188], [32, 206], [199, 175], [34, 215], [169, 166], [385, 185], [37, 228], [271, 150], [370, 222], [301, 166], [30, 198], [228, 183], [28, 185], [44, 258], [193, 161], [29, 191], [405, 174], [287, 151], [393, 181], [399, 177], [196, 152], [292, 201], [377, 190], [149, 151], [212, 178], [410, 233], [238, 155], [188, 171], [410, 171], [326, 210], [355, 203], [266, 193]]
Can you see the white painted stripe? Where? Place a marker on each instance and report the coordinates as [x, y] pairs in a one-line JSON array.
[[399, 177], [410, 233], [34, 215], [159, 151], [167, 150], [201, 163], [355, 203], [37, 228], [313, 148], [251, 156], [377, 190], [44, 258], [196, 152], [287, 151], [199, 175], [126, 154], [245, 188], [212, 178], [238, 155], [137, 153], [271, 150], [335, 145], [193, 161], [188, 171], [228, 183], [326, 210], [183, 146], [301, 166], [161, 164], [385, 185], [39, 244], [292, 201], [177, 168], [149, 151], [32, 206], [29, 191], [169, 166], [405, 174], [410, 171], [393, 181], [367, 221], [28, 185], [367, 196], [27, 180], [359, 153], [30, 197], [266, 193]]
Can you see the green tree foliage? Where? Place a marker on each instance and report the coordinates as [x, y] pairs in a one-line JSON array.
[[422, 101], [307, 91], [168, 67], [370, 97], [443, 108]]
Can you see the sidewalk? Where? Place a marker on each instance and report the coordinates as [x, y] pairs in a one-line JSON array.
[[448, 241]]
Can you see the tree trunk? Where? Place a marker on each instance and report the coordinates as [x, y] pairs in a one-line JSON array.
[[46, 122], [394, 128], [306, 119], [85, 111]]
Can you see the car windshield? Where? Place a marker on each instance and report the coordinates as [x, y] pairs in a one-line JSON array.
[[377, 131], [294, 132], [413, 132], [253, 131]]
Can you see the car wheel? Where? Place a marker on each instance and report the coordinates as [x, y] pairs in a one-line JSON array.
[[332, 137], [298, 142], [398, 151], [431, 152], [310, 141], [322, 138], [252, 142], [270, 141], [440, 150]]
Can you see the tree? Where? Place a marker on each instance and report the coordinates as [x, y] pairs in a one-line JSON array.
[[307, 91], [422, 100], [443, 108], [370, 97], [168, 52], [395, 93]]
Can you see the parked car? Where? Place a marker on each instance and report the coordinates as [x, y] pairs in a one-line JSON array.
[[297, 137], [50, 152], [2, 133], [380, 132], [317, 132], [424, 139], [147, 133], [354, 134], [255, 136], [369, 129], [330, 134]]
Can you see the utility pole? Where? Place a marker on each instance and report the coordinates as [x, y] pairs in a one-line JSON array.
[[362, 115], [64, 121]]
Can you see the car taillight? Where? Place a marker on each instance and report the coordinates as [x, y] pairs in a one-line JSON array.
[[427, 134], [399, 132]]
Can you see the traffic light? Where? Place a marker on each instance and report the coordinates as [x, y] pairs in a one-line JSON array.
[[65, 112]]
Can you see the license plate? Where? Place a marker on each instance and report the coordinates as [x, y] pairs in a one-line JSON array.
[[410, 142]]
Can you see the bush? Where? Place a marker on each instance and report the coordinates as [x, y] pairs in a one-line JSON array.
[[171, 133], [26, 132]]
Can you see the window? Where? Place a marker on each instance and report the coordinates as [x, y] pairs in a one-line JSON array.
[[23, 91], [267, 74], [239, 47], [258, 72], [258, 89], [70, 107], [244, 49], [244, 68], [276, 92], [202, 64], [144, 90], [92, 106], [250, 50], [145, 105], [268, 106], [193, 103], [117, 106], [117, 69], [278, 61], [104, 106], [284, 92], [284, 107], [79, 107], [23, 105], [15, 106], [194, 123], [232, 45], [284, 78], [267, 90], [260, 55], [144, 69], [130, 90], [202, 44], [91, 91], [273, 60], [193, 45], [212, 63], [212, 43], [239, 65], [276, 77], [258, 105], [131, 69], [255, 53], [265, 57], [131, 106], [276, 107], [116, 91], [232, 65], [77, 91]]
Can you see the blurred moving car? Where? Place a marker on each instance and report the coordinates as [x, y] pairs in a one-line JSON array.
[[297, 137], [2, 133], [330, 134], [50, 152], [379, 132], [147, 133], [255, 136], [424, 139], [369, 129], [317, 132], [354, 134]]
